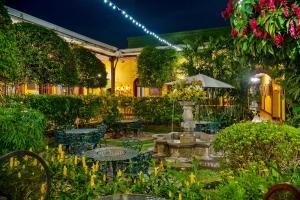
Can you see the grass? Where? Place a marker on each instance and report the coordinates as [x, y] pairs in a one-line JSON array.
[[119, 143]]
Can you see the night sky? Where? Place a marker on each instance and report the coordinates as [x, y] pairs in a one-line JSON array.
[[96, 20]]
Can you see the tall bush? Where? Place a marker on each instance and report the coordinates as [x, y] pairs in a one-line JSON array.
[[9, 54], [156, 66], [92, 72], [21, 128], [46, 58], [249, 142]]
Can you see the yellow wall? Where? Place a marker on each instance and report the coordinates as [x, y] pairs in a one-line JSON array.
[[272, 101], [126, 73]]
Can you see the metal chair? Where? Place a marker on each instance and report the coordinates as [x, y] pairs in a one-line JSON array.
[[17, 180], [135, 127]]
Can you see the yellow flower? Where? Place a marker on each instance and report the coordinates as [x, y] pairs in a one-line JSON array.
[[65, 171], [161, 165], [34, 163], [170, 194], [85, 168], [30, 149], [26, 158], [11, 162], [47, 147], [59, 149], [75, 160], [119, 174], [97, 166], [141, 175], [187, 184], [16, 163], [192, 178], [62, 156], [19, 175], [156, 170], [52, 159], [180, 196], [92, 181], [104, 178], [43, 188]]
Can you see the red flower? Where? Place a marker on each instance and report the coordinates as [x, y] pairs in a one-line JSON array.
[[292, 30], [295, 9], [258, 33], [267, 35], [228, 11], [271, 5], [245, 31], [234, 33], [278, 40], [262, 3], [256, 8], [286, 12], [253, 24]]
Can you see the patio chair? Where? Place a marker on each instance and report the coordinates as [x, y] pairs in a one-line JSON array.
[[135, 127], [140, 163], [117, 128], [214, 127], [283, 191], [19, 179]]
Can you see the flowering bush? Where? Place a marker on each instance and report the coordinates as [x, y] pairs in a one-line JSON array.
[[188, 91], [265, 26]]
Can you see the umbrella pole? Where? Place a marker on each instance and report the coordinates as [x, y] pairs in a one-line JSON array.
[[172, 125]]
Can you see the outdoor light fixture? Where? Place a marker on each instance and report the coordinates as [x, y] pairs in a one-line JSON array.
[[255, 80], [134, 21]]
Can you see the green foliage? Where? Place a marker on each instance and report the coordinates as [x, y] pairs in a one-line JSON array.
[[63, 110], [92, 71], [46, 58], [156, 66], [5, 20], [273, 40], [249, 142], [21, 128], [9, 54], [185, 91]]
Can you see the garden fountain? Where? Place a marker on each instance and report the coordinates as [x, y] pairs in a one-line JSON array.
[[181, 147]]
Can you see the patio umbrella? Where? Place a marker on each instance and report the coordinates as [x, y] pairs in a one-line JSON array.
[[207, 82]]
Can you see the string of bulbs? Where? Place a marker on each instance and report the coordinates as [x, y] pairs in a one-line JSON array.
[[138, 24]]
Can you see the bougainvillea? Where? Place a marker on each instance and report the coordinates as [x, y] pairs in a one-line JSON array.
[[265, 26]]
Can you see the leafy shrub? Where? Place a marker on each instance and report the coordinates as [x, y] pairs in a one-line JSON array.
[[248, 142], [62, 110], [21, 128]]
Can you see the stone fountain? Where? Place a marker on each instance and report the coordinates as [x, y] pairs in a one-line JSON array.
[[182, 147]]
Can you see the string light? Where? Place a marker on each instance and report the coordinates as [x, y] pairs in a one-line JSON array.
[[137, 23]]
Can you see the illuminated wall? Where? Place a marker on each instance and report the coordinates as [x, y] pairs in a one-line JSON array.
[[272, 99]]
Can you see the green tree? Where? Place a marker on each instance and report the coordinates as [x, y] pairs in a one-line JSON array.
[[156, 66], [9, 54], [92, 72], [46, 58], [218, 59]]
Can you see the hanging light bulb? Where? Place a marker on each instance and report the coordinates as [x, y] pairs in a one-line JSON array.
[[137, 23]]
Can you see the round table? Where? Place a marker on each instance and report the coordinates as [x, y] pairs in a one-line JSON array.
[[130, 197], [111, 154]]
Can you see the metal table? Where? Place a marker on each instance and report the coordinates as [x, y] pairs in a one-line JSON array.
[[112, 154], [78, 138], [130, 197], [80, 131]]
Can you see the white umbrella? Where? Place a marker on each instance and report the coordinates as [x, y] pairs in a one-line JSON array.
[[207, 82]]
